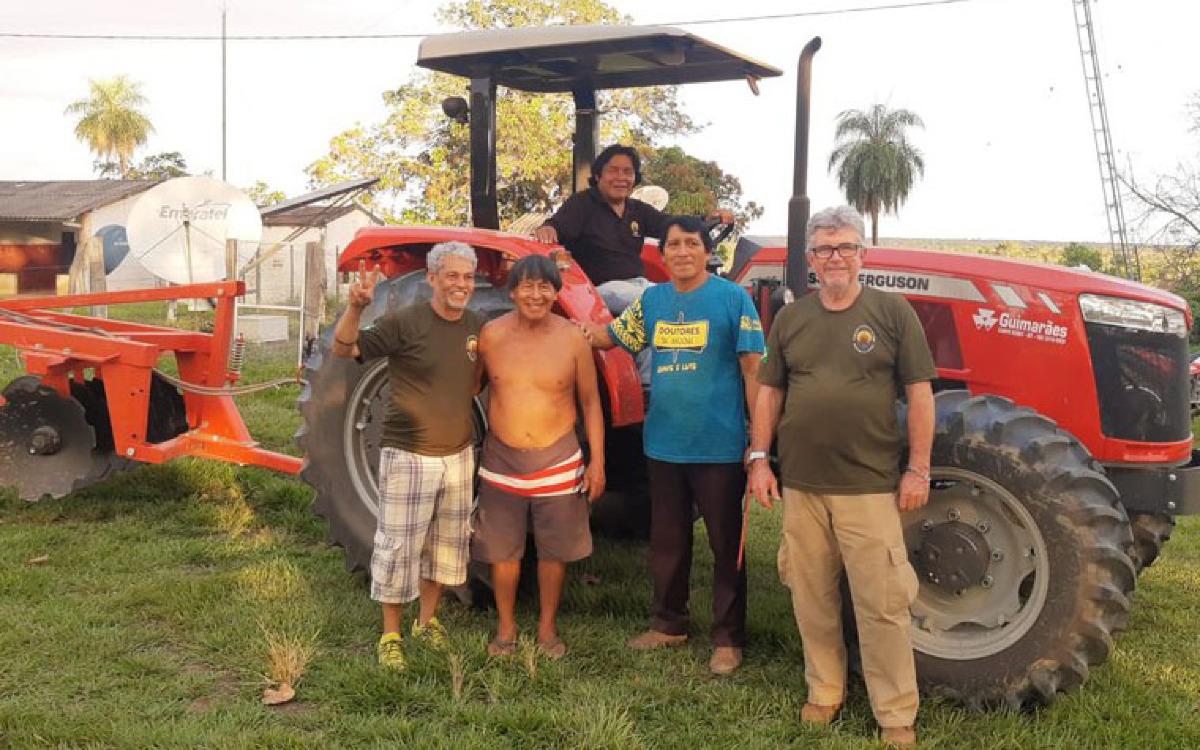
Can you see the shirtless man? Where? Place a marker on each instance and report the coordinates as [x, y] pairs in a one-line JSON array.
[[532, 471]]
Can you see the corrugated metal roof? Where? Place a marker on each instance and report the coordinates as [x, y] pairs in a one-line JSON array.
[[307, 216], [62, 200], [320, 194]]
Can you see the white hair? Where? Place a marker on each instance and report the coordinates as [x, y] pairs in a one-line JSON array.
[[437, 256], [835, 217]]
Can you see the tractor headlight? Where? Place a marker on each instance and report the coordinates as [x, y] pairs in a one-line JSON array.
[[1129, 313]]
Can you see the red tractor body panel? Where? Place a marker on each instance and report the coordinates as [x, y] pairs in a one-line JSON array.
[[1008, 327]]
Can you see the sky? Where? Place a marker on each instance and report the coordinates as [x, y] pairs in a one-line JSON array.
[[999, 84]]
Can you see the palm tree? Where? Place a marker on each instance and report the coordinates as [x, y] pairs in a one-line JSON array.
[[876, 165], [110, 122]]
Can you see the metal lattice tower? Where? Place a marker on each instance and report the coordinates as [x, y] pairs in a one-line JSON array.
[[1102, 135]]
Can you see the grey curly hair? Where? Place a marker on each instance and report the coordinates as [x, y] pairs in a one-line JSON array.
[[835, 217], [438, 254]]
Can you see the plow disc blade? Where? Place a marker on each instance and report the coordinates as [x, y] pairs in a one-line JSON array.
[[46, 444]]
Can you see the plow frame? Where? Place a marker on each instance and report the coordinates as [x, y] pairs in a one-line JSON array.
[[62, 347]]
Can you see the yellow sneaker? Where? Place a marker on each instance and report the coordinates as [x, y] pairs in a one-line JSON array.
[[391, 652], [432, 633]]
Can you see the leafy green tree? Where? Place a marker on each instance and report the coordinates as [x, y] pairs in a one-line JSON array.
[[1077, 254], [422, 157], [875, 164], [264, 195], [110, 121], [695, 186], [154, 167]]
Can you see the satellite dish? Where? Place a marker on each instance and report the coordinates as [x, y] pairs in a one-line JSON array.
[[178, 229], [116, 246], [653, 194]]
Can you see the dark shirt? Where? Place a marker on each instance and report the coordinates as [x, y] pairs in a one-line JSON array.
[[606, 246], [431, 374], [841, 370]]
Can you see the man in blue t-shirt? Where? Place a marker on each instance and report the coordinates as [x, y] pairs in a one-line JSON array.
[[705, 341]]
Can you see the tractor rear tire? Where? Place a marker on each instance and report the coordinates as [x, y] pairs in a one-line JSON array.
[[1150, 532], [1055, 541]]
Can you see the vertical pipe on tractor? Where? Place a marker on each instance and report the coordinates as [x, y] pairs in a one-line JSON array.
[[796, 272], [587, 128], [485, 212]]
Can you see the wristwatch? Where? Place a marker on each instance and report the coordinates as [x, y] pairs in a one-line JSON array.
[[753, 456]]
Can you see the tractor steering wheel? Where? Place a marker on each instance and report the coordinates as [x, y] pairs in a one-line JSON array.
[[717, 231]]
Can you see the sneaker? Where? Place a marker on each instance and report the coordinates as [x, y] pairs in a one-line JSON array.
[[391, 652], [431, 633], [725, 660], [653, 639]]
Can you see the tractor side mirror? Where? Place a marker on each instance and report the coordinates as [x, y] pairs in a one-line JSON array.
[[455, 107]]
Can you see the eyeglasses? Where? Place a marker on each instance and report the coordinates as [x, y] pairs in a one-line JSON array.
[[845, 250]]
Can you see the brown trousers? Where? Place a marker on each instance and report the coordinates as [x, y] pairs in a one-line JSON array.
[[717, 491], [862, 533]]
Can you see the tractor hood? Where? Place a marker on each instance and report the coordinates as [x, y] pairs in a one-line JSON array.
[[764, 256]]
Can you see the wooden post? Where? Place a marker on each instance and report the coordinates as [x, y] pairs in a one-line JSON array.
[[231, 260], [315, 285], [95, 273]]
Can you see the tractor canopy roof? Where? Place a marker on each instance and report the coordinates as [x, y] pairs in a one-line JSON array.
[[564, 58]]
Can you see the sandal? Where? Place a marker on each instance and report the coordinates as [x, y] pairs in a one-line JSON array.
[[553, 649], [500, 647]]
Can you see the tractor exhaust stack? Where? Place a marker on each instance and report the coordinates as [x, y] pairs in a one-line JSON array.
[[796, 271]]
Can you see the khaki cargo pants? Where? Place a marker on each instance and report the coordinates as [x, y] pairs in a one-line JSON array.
[[821, 534]]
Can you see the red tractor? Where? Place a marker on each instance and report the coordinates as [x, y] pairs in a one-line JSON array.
[[1063, 446]]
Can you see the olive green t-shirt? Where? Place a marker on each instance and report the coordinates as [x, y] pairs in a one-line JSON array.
[[842, 371], [431, 374]]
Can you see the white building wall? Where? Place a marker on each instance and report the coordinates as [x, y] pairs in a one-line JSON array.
[[282, 277]]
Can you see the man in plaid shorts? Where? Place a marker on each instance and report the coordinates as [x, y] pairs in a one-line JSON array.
[[427, 463]]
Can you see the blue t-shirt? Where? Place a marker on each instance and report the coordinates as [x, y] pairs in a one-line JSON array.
[[698, 400]]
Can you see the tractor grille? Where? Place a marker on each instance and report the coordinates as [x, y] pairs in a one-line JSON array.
[[1142, 383]]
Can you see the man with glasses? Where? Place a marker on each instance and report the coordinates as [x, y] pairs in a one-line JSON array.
[[533, 476], [838, 358]]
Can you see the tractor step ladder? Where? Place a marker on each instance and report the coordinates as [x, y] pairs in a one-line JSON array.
[[1129, 264]]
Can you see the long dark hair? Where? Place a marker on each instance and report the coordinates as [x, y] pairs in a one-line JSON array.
[[605, 156]]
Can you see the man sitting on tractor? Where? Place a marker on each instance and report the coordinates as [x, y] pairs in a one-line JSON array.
[[532, 471], [427, 463], [605, 229]]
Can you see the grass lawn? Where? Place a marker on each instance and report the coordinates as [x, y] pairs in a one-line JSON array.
[[138, 613]]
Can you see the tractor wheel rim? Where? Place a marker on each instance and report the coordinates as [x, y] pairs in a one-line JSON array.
[[995, 612], [362, 432]]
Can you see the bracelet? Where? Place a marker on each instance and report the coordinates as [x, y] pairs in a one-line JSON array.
[[922, 474], [345, 343]]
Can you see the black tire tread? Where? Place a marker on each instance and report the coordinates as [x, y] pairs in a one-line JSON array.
[[989, 431]]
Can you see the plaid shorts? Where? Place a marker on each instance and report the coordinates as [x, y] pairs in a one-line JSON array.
[[424, 515]]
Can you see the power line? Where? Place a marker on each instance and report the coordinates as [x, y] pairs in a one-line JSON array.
[[835, 12], [422, 35]]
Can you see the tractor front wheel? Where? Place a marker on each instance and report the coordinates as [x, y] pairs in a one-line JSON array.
[[1023, 556]]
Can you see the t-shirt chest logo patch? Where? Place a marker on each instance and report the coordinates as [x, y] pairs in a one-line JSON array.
[[864, 339], [682, 336], [472, 347], [635, 229]]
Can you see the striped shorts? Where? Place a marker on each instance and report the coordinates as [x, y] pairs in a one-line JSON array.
[[424, 516]]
